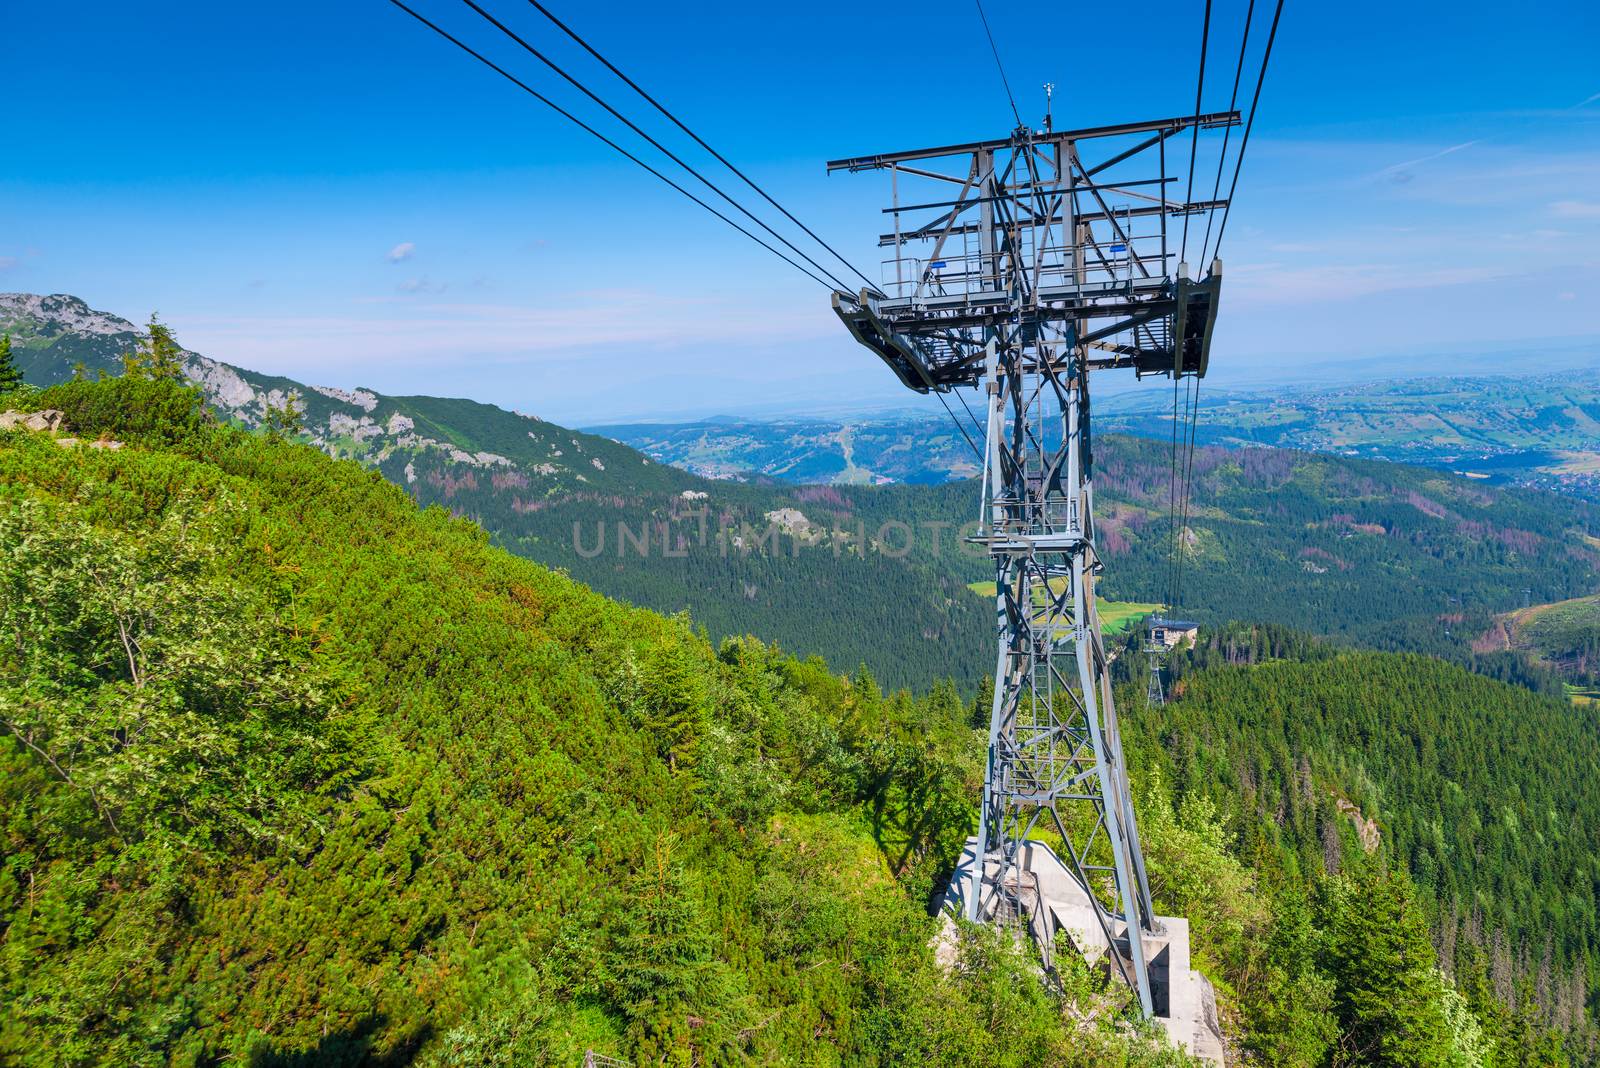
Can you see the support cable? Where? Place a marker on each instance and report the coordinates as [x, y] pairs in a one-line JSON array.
[[976, 452], [1188, 481], [1255, 103], [701, 141], [564, 113], [1194, 139], [993, 48], [1244, 141], [1172, 503], [976, 428], [1233, 100], [663, 149]]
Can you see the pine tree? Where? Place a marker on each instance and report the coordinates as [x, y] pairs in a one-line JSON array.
[[10, 374], [157, 355], [285, 420], [1288, 1009], [1388, 993], [675, 704], [982, 703]]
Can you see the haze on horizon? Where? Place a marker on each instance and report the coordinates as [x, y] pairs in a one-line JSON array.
[[337, 196]]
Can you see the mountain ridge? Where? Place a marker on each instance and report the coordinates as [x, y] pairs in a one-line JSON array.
[[53, 334]]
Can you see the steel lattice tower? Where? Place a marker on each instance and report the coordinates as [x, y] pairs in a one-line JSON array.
[[1023, 268], [1155, 696]]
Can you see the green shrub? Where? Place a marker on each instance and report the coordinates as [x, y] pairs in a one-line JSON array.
[[135, 409]]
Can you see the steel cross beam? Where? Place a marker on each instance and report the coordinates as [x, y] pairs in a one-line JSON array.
[[1028, 231], [1025, 269], [1163, 127]]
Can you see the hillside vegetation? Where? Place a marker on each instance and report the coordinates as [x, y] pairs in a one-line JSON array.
[[1487, 795], [294, 772], [1373, 554], [1564, 636], [531, 483]]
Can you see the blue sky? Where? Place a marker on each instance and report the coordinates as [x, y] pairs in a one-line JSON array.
[[329, 192]]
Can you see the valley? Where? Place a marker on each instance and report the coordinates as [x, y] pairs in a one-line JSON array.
[[1531, 430]]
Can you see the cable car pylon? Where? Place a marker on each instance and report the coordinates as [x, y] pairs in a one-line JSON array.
[[1020, 267], [1154, 651]]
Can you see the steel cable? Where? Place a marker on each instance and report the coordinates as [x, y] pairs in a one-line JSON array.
[[570, 117], [663, 149], [699, 140]]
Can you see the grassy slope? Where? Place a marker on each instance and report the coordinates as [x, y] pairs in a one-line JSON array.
[[1561, 635]]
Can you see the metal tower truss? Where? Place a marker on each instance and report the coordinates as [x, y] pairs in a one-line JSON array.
[[1020, 266], [1155, 696]]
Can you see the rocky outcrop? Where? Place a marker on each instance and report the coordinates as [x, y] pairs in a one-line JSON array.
[[49, 420], [366, 400], [1366, 829]]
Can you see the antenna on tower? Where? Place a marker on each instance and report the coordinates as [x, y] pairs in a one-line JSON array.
[[1049, 94]]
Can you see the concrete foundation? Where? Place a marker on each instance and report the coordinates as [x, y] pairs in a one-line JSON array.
[[1054, 901]]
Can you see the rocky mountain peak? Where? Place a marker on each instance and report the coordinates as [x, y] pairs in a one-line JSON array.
[[62, 313]]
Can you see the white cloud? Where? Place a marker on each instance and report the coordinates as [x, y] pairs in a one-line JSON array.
[[402, 329], [402, 251], [1274, 283], [7, 262], [1576, 209]]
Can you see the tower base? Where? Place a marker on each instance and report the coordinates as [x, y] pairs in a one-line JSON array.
[[1052, 901]]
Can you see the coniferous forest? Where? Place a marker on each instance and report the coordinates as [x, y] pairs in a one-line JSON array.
[[297, 772], [1370, 554]]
